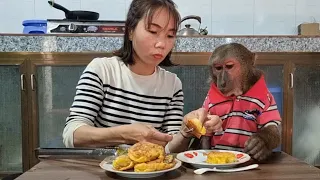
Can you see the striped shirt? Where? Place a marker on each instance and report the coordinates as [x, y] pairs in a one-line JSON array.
[[241, 116], [109, 94]]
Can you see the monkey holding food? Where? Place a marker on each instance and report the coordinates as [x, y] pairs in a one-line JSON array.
[[239, 95]]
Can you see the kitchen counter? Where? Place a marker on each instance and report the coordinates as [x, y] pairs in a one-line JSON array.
[[109, 43]]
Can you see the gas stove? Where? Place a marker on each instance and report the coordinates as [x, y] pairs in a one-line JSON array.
[[66, 26]]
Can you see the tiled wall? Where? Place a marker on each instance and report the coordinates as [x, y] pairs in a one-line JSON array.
[[221, 17]]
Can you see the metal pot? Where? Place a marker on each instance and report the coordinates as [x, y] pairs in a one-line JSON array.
[[188, 30]]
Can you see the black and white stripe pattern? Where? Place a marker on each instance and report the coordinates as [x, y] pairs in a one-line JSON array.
[[102, 104], [88, 99], [235, 131], [253, 100], [275, 123], [231, 148], [235, 113], [272, 108]]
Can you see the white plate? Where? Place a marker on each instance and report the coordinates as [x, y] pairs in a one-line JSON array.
[[199, 159], [132, 174]]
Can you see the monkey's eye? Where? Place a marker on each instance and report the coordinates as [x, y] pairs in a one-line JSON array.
[[218, 68], [229, 66]]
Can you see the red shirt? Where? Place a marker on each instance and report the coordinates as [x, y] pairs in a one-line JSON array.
[[241, 116]]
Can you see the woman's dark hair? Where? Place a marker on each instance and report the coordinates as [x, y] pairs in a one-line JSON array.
[[138, 10]]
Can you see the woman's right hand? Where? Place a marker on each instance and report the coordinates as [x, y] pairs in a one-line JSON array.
[[141, 132]]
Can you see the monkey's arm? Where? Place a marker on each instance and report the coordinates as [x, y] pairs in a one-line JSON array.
[[261, 144]]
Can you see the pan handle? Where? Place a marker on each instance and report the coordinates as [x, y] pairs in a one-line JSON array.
[[58, 6]]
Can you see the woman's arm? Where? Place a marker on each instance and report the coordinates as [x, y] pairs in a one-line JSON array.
[[173, 121], [87, 102], [88, 136]]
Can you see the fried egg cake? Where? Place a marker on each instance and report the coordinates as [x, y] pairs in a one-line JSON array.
[[144, 152]]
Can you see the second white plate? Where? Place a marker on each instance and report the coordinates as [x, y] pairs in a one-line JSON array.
[[197, 159]]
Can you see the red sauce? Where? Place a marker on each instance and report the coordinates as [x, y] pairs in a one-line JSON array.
[[188, 155], [239, 156], [195, 153]]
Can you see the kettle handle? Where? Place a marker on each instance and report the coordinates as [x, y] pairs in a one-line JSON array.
[[191, 17]]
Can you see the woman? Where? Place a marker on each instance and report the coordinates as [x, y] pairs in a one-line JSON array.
[[128, 98]]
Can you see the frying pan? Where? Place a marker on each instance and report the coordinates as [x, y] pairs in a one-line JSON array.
[[76, 15]]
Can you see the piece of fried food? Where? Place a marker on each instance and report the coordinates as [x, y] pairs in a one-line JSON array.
[[153, 166], [196, 125], [142, 152], [168, 159], [156, 165], [122, 163], [215, 157]]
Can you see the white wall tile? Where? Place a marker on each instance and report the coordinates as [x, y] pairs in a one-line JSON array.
[[241, 10], [274, 28], [232, 17], [13, 13], [127, 5], [232, 28], [273, 18], [307, 11], [266, 11]]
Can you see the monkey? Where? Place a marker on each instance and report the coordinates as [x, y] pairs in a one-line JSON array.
[[239, 95]]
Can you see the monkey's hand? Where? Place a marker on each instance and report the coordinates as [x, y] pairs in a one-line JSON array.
[[205, 142], [259, 146]]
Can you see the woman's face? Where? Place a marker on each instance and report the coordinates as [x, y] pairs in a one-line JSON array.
[[151, 44]]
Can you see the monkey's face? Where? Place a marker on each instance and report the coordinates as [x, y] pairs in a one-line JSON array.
[[228, 76]]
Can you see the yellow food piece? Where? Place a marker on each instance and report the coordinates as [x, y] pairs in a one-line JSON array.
[[144, 152], [152, 166], [198, 128], [144, 157], [221, 157], [122, 163], [168, 159]]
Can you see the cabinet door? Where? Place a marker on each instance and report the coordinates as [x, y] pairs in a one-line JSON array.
[[56, 87], [275, 83], [12, 118], [306, 113], [195, 84]]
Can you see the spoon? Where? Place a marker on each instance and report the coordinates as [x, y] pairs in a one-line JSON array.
[[203, 170]]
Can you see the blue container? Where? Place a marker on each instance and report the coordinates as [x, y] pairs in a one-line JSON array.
[[34, 27]]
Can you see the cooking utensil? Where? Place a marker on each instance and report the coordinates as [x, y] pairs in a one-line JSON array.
[[76, 15], [188, 30], [244, 168]]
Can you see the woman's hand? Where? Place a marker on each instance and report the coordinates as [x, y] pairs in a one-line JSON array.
[[141, 132], [212, 123]]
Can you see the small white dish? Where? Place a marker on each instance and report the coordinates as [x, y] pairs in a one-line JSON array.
[[131, 174]]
